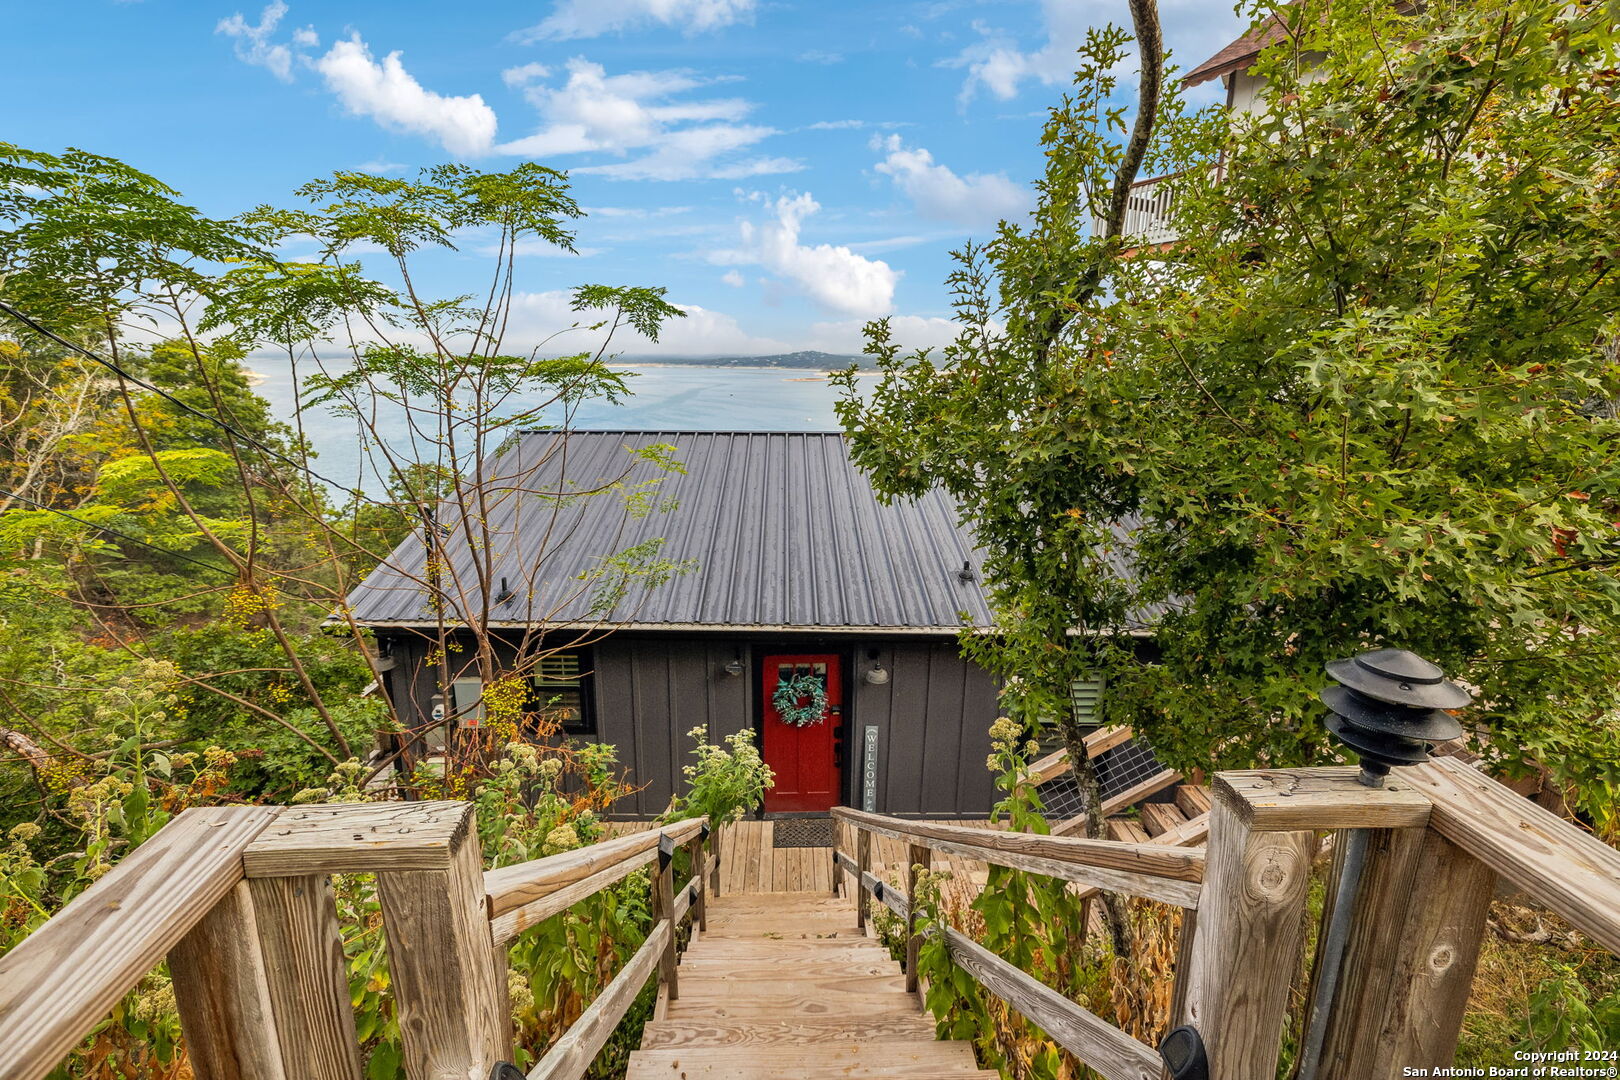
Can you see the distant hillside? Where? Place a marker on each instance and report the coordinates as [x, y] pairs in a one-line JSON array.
[[807, 358]]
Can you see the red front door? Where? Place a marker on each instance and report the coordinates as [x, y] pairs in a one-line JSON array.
[[803, 756]]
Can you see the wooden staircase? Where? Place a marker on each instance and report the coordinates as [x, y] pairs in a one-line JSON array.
[[783, 985]]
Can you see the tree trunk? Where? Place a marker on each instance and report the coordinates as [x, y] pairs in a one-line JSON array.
[[1085, 775]]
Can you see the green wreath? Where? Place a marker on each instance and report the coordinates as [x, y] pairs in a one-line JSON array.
[[787, 697]]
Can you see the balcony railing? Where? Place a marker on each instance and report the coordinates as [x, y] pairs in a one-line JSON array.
[[1147, 213]]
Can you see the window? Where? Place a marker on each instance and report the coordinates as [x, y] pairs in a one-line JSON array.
[[560, 694]]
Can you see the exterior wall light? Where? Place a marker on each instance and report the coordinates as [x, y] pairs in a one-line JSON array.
[[876, 675], [733, 668]]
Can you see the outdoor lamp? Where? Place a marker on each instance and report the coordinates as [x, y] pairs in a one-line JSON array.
[[876, 675], [1389, 707], [733, 668]]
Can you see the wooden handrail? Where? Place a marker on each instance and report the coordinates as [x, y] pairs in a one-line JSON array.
[[512, 887], [527, 893], [572, 1054], [1092, 1039], [1153, 870], [66, 976], [1574, 874], [1083, 1033]]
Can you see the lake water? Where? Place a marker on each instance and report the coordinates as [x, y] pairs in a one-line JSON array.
[[673, 397]]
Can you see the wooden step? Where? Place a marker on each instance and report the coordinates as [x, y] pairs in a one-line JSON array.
[[763, 930], [1192, 800], [734, 1006], [726, 969], [1159, 818], [791, 1031], [843, 1059], [1127, 830]]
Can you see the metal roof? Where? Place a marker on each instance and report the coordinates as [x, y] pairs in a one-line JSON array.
[[785, 532]]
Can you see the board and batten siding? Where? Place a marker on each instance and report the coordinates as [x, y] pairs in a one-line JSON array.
[[650, 690], [933, 718], [647, 690]]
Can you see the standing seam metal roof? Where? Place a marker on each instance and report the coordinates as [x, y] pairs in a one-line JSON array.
[[785, 532]]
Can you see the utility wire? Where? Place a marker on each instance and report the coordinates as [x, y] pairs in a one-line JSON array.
[[122, 535], [216, 421]]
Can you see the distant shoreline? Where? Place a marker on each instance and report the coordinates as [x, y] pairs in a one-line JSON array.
[[823, 364]]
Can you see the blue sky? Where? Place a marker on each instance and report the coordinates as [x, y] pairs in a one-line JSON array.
[[787, 169]]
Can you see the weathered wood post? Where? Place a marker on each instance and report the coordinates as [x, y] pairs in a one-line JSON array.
[[307, 976], [1262, 837], [222, 992], [663, 897], [920, 858], [694, 855], [446, 980], [863, 859], [714, 873], [1418, 921]]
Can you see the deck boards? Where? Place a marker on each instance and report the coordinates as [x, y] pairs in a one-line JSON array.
[[782, 984]]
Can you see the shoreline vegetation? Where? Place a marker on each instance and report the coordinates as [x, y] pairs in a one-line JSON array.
[[824, 364]]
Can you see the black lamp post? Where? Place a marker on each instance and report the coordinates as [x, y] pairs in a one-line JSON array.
[[1388, 708]]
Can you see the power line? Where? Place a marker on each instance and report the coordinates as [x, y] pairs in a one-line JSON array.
[[122, 535], [165, 395]]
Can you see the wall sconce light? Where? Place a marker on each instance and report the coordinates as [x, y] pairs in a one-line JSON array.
[[876, 675], [734, 668]]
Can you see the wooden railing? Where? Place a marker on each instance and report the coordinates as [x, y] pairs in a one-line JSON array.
[[1441, 833], [239, 901]]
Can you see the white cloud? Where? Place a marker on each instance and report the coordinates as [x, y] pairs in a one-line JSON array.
[[594, 112], [977, 199], [910, 332], [856, 125], [1193, 31], [537, 316], [732, 278], [590, 18], [389, 94], [834, 277], [821, 56], [524, 74], [253, 44], [639, 212]]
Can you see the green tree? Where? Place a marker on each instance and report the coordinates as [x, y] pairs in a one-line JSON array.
[[1360, 401]]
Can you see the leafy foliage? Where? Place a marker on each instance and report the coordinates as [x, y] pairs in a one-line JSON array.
[[1357, 403]]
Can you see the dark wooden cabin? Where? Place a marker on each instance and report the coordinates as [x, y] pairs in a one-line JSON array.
[[798, 569]]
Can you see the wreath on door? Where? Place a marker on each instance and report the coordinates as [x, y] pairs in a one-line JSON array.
[[790, 704]]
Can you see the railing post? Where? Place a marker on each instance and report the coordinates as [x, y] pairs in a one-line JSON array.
[[714, 874], [920, 858], [694, 854], [452, 1015], [223, 995], [863, 859], [1409, 963], [1262, 836], [1243, 960], [663, 896], [307, 976], [441, 950]]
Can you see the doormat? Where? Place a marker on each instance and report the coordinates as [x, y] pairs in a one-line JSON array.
[[802, 832]]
